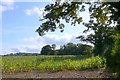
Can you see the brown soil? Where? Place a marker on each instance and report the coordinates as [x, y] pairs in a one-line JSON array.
[[60, 74]]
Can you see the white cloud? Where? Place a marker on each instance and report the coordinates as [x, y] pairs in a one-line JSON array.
[[34, 1], [36, 43], [53, 38], [35, 10], [6, 5], [59, 40], [7, 2], [26, 48]]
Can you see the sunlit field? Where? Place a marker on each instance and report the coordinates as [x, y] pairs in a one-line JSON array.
[[13, 64]]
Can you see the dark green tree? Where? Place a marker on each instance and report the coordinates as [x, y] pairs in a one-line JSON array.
[[46, 50], [70, 48], [101, 38], [75, 49], [83, 49]]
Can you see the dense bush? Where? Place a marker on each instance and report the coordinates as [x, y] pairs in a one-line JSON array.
[[113, 60]]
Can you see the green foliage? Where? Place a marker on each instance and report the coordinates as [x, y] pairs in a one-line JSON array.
[[47, 50], [67, 11], [70, 12], [68, 49], [76, 49], [113, 60], [51, 63]]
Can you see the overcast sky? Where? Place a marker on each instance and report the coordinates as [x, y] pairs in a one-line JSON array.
[[19, 20]]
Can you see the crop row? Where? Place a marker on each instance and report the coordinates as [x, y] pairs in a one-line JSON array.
[[54, 63]]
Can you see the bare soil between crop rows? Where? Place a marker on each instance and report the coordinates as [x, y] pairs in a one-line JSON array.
[[60, 74]]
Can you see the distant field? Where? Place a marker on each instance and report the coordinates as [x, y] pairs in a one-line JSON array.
[[0, 63], [13, 64]]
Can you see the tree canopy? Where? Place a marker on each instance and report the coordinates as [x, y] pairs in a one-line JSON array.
[[70, 11]]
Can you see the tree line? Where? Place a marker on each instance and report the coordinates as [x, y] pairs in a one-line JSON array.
[[67, 49], [22, 54]]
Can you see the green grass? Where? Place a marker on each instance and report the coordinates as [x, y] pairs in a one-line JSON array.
[[53, 63], [0, 63]]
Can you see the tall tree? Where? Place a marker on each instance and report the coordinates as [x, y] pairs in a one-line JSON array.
[[107, 14], [102, 15]]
